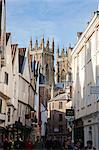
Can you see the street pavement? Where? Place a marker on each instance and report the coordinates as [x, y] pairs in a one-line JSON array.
[[39, 146]]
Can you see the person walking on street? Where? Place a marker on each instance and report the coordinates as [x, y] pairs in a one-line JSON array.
[[68, 145], [6, 144], [78, 145], [28, 145], [90, 146], [18, 144]]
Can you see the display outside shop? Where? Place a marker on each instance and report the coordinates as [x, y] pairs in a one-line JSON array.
[[70, 119]]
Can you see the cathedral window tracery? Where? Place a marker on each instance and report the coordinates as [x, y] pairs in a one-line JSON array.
[[63, 75]]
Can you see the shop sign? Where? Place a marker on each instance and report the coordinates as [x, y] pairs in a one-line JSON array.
[[69, 112], [94, 90]]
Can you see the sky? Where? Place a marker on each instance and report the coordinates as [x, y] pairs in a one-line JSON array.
[[58, 19]]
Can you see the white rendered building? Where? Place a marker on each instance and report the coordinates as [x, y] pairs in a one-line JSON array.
[[85, 70]]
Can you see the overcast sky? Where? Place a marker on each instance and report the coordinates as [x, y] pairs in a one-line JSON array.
[[60, 19]]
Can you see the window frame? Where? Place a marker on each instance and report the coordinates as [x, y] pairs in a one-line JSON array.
[[6, 78], [60, 105]]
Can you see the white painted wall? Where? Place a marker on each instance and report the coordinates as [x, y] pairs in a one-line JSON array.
[[85, 71], [43, 119]]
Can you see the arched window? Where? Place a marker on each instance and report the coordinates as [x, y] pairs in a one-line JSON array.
[[69, 76], [63, 75], [47, 73]]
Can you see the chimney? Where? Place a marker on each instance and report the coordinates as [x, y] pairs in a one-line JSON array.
[[79, 35]]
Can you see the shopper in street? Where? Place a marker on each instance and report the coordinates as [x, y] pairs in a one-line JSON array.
[[28, 145], [11, 144], [77, 145], [1, 143], [6, 144], [68, 145], [90, 146], [18, 144]]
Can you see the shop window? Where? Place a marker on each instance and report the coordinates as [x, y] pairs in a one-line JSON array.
[[53, 116], [52, 128], [90, 133], [60, 117], [60, 128], [9, 114]]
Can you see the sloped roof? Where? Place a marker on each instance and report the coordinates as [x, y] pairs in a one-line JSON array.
[[60, 97], [7, 37], [14, 48], [21, 58]]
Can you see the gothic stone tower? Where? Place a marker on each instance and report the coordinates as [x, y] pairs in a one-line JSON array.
[[44, 54], [63, 64]]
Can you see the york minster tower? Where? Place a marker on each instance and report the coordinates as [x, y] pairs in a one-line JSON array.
[[63, 65], [44, 54]]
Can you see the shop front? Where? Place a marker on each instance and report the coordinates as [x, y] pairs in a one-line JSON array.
[[79, 130]]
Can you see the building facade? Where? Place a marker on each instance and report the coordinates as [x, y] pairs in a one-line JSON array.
[[57, 125], [85, 70]]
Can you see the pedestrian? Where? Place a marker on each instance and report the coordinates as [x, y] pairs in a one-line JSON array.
[[77, 145], [6, 144], [68, 145], [18, 144], [11, 143], [47, 143], [28, 145], [90, 145], [1, 142]]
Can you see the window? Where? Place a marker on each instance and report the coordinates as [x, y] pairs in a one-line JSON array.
[[9, 113], [53, 116], [6, 78], [47, 73], [88, 50], [53, 106], [60, 128], [49, 106], [97, 84], [69, 76], [60, 117], [60, 105], [0, 105], [53, 128], [63, 75]]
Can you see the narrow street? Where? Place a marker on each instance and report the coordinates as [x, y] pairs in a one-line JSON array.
[[49, 75]]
